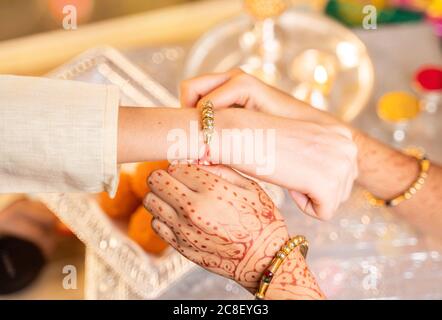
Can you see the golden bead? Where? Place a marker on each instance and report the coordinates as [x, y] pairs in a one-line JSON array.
[[425, 165]]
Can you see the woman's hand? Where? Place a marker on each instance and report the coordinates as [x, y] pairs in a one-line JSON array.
[[314, 155], [225, 223]]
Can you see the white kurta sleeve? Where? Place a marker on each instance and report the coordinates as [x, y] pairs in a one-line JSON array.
[[57, 136]]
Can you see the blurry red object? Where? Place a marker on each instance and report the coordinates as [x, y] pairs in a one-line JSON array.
[[63, 229], [429, 78]]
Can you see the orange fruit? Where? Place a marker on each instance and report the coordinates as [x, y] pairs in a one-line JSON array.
[[142, 172], [140, 230], [62, 229], [125, 201]]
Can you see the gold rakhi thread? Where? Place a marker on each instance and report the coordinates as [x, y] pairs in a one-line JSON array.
[[207, 121]]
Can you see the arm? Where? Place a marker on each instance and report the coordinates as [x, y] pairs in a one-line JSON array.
[[67, 136], [386, 173], [254, 143], [142, 132]]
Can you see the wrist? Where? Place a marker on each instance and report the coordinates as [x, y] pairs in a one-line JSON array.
[[221, 147], [383, 171], [294, 281]]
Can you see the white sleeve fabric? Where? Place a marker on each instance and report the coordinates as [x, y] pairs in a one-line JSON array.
[[57, 136]]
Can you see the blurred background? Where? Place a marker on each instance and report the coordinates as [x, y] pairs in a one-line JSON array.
[[317, 50], [24, 17]]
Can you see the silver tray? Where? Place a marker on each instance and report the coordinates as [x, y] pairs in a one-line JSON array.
[[219, 50]]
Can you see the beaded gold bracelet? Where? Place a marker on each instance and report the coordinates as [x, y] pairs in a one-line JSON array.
[[424, 165], [280, 256]]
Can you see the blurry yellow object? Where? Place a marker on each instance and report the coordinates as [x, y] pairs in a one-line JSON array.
[[262, 9], [435, 8], [352, 10], [315, 5], [421, 5], [138, 179], [39, 53], [398, 106], [140, 230], [125, 201]]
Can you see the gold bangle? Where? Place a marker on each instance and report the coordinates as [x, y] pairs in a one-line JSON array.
[[280, 256], [424, 165], [207, 121]]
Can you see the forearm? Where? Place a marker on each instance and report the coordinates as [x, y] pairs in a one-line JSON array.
[[143, 133], [386, 173]]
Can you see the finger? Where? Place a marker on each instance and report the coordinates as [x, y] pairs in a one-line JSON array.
[[193, 89], [190, 253], [160, 209], [202, 181], [169, 189], [164, 232], [304, 203], [204, 258], [230, 176], [191, 176], [236, 91]]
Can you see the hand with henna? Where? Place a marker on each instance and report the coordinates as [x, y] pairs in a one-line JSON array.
[[227, 224]]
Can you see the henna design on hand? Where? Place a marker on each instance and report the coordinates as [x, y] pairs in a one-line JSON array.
[[230, 229], [294, 280]]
